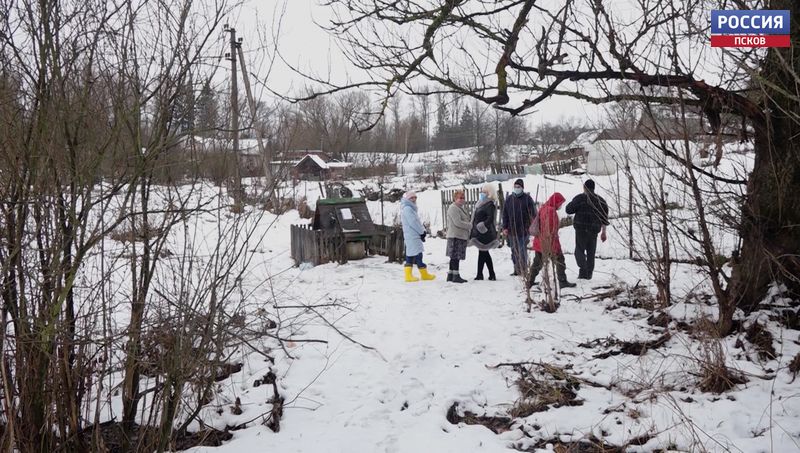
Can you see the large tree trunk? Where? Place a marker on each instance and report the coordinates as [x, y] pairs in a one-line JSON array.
[[770, 227]]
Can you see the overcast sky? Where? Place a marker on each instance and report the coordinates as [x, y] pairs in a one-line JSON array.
[[295, 27]]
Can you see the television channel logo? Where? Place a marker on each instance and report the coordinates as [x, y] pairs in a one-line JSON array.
[[754, 28]]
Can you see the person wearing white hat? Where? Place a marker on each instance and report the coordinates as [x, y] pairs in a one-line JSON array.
[[413, 237]]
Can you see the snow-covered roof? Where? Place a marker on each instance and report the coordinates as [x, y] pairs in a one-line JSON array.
[[339, 164], [585, 138], [317, 160], [320, 162]]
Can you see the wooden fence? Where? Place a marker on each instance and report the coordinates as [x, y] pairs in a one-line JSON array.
[[558, 167], [472, 196], [320, 247], [316, 246], [509, 169], [388, 242], [561, 167]]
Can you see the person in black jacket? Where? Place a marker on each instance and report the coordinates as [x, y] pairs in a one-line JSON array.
[[483, 235], [591, 217], [518, 212]]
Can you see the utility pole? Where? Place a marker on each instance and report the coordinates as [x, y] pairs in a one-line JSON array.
[[265, 153], [237, 177]]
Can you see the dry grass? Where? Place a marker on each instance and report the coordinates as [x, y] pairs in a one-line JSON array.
[[715, 376], [127, 233], [542, 387], [636, 296], [794, 366], [496, 424], [279, 205], [589, 445], [762, 339], [304, 210], [659, 319], [625, 347]]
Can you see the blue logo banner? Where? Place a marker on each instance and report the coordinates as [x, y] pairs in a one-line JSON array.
[[754, 22]]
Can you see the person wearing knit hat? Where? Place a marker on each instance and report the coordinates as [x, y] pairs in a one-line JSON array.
[[413, 237], [591, 218], [519, 210], [547, 245]]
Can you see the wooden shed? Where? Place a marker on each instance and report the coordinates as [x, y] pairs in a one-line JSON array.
[[316, 167]]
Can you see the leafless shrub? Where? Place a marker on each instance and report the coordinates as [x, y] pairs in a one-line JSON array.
[[128, 233], [758, 335], [304, 210], [794, 366], [549, 302], [279, 205], [713, 372]]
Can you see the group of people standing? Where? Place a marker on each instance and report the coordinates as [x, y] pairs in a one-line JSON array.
[[521, 220]]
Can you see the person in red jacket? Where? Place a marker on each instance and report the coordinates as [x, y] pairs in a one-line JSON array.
[[546, 243]]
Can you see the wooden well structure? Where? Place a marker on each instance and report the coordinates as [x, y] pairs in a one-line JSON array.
[[342, 230]]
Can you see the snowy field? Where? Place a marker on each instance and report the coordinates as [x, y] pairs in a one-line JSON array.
[[391, 359]]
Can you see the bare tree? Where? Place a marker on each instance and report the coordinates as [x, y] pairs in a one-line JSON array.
[[334, 121], [425, 115], [549, 137], [89, 100]]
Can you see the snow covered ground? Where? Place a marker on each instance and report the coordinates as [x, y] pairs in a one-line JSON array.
[[402, 354]]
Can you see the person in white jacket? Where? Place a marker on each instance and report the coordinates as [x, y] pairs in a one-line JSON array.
[[413, 237]]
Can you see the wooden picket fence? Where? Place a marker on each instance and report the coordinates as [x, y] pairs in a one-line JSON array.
[[316, 246], [472, 196], [507, 168], [388, 242], [561, 167], [320, 247]]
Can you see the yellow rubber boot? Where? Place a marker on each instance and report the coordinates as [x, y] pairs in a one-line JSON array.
[[423, 271], [410, 277]]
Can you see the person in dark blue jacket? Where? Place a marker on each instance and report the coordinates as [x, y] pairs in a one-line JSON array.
[[519, 210], [591, 217]]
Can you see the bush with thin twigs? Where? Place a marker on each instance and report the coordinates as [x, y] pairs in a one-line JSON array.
[[714, 374], [304, 210], [794, 366]]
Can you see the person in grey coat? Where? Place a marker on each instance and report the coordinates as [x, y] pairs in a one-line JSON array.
[[413, 237], [458, 227]]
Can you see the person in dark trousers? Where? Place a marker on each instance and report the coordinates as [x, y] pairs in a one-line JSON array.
[[591, 217], [458, 228], [483, 234], [413, 237], [518, 212], [547, 245]]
